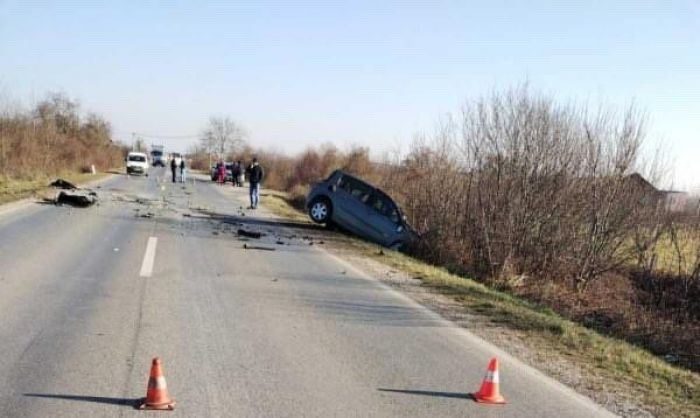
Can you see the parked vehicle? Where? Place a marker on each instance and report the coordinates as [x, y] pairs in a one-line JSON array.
[[137, 163], [157, 157], [215, 172], [360, 208]]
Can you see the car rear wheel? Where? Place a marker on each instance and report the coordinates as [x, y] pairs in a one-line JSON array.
[[320, 210]]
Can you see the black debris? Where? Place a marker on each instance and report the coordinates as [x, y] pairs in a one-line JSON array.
[[62, 184], [77, 198], [257, 247], [250, 234]]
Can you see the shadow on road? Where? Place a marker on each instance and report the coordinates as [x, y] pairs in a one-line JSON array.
[[250, 220], [94, 399], [453, 395], [378, 314]]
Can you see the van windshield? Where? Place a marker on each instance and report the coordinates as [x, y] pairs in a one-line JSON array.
[[137, 158]]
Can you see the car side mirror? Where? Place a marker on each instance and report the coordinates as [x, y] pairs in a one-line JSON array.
[[333, 188]]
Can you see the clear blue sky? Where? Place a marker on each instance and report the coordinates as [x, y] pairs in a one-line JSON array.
[[352, 72]]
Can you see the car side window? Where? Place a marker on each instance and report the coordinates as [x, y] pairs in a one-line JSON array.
[[356, 189], [384, 205]]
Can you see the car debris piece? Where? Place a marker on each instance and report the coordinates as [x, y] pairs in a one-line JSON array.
[[62, 184], [78, 198], [250, 234], [279, 242], [258, 247]]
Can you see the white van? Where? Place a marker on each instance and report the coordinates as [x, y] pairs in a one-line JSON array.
[[137, 163]]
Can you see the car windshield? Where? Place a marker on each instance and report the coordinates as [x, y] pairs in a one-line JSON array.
[[157, 153], [137, 158]]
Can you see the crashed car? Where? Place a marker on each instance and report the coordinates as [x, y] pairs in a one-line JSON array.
[[360, 208]]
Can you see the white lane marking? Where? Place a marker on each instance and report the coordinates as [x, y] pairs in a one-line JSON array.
[[149, 257]]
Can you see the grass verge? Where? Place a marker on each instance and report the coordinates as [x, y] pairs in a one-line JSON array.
[[13, 190], [610, 366]]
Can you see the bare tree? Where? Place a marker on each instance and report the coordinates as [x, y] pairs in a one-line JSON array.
[[223, 136]]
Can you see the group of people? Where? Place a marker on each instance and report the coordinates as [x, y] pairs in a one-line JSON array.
[[183, 169], [254, 172]]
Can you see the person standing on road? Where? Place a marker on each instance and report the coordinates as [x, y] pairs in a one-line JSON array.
[[235, 170], [183, 168], [241, 174], [173, 168], [255, 175], [222, 173]]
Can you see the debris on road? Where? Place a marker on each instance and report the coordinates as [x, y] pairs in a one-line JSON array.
[[250, 234], [279, 242], [76, 197], [62, 184], [72, 195], [257, 247]]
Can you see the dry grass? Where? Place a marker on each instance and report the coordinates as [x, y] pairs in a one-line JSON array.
[[630, 373]]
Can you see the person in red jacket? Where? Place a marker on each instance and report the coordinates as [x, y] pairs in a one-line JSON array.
[[222, 173]]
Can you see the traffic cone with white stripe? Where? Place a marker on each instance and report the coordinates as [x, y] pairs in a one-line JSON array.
[[157, 391], [489, 392]]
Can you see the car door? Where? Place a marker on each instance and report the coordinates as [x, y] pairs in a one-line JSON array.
[[350, 206], [383, 218]]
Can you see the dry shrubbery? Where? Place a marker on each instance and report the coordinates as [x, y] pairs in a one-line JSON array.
[[546, 201], [54, 138], [296, 174]]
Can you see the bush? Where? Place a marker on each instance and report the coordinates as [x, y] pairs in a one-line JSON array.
[[54, 138]]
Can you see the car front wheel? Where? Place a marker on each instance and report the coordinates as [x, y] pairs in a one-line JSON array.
[[320, 210]]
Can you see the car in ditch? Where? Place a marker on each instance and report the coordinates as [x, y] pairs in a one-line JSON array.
[[357, 206]]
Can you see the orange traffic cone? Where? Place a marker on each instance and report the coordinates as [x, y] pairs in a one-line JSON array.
[[157, 391], [489, 393]]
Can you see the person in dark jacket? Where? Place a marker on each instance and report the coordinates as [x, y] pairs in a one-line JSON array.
[[173, 168], [183, 168], [255, 175], [241, 174]]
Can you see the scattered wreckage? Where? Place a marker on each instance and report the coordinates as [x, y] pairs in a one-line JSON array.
[[70, 194]]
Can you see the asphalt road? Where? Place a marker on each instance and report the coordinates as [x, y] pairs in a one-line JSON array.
[[241, 332]]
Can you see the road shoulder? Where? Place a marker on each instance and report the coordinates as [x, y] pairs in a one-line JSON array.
[[624, 379]]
